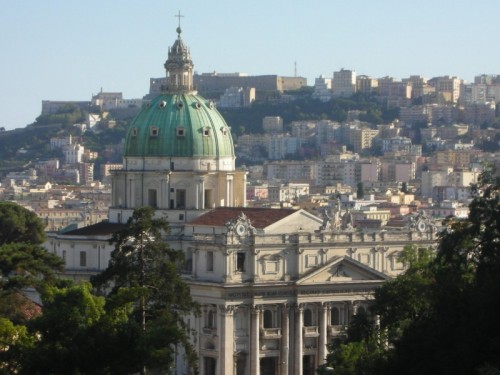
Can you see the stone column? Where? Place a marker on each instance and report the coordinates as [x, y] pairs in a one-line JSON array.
[[299, 318], [285, 339], [201, 194], [194, 260], [254, 341], [323, 333], [227, 339]]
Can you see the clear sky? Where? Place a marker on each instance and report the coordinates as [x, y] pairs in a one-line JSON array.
[[69, 50]]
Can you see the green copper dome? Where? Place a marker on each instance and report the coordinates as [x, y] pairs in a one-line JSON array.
[[179, 125]]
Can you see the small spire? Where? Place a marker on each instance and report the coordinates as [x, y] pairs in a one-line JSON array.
[[179, 30]]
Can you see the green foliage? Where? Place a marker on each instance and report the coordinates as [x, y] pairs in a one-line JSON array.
[[361, 353], [360, 191], [14, 340], [23, 262], [305, 108], [143, 275], [445, 310], [404, 187], [74, 334], [17, 224]]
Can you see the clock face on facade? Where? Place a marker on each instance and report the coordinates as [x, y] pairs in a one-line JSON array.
[[240, 229], [421, 226]]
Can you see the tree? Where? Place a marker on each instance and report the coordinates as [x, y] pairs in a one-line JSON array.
[[360, 353], [360, 192], [17, 224], [446, 312], [143, 270], [23, 263], [404, 187]]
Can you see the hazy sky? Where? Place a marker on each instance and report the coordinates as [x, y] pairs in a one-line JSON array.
[[69, 50]]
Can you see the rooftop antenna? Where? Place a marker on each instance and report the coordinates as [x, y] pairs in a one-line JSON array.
[[295, 68]]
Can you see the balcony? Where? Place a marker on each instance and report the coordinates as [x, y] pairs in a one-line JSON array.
[[311, 331], [337, 330], [270, 333], [209, 331]]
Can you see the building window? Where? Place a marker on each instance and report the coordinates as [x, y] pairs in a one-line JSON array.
[[211, 317], [134, 132], [83, 259], [308, 318], [206, 132], [180, 132], [335, 317], [64, 255], [209, 365], [152, 198], [210, 261], [240, 262], [180, 198], [268, 319], [153, 131]]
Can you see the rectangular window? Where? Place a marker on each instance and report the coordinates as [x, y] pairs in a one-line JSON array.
[[209, 365], [83, 259], [210, 261], [240, 262], [180, 197], [152, 196]]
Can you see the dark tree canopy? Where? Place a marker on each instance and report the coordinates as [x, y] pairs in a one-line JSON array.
[[17, 224], [144, 272], [23, 261], [441, 315]]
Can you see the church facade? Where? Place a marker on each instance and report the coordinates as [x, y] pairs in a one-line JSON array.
[[275, 285]]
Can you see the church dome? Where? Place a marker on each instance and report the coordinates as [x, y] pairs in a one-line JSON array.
[[179, 123]]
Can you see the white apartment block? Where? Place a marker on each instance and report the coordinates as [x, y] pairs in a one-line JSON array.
[[322, 89], [287, 193], [272, 124], [237, 97], [290, 170], [58, 143], [73, 153], [344, 83], [366, 84], [282, 146]]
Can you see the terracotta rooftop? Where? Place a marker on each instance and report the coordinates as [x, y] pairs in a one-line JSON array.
[[259, 217], [100, 229]]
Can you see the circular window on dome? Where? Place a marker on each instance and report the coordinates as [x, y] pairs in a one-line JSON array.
[[162, 104], [180, 105], [197, 105], [211, 104]]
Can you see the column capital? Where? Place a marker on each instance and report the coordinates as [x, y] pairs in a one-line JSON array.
[[227, 309], [255, 309]]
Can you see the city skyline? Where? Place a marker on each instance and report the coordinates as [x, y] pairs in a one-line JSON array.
[[69, 51]]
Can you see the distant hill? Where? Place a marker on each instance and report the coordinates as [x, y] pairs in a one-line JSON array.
[[33, 142]]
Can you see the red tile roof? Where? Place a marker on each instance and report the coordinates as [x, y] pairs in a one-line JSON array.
[[259, 217]]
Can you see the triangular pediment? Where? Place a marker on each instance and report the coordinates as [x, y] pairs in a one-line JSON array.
[[342, 270], [299, 221]]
